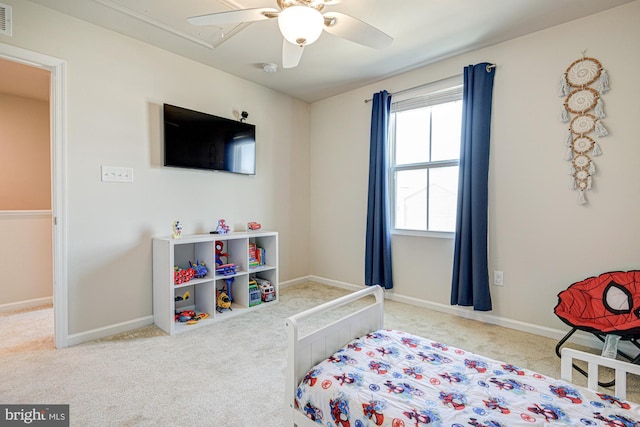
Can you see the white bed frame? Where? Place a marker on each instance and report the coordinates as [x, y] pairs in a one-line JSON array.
[[594, 361], [306, 351]]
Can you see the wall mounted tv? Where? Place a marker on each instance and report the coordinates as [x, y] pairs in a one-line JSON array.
[[198, 140]]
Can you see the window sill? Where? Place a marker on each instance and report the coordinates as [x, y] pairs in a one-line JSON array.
[[417, 233]]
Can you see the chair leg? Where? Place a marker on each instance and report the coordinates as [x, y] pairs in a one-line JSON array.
[[621, 353], [636, 359], [563, 340]]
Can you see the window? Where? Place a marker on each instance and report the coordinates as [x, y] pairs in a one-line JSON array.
[[425, 156]]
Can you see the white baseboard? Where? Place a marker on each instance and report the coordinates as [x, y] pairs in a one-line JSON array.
[[293, 282], [23, 305], [580, 338], [107, 331]]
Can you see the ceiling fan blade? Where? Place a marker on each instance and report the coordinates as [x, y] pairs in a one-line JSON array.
[[233, 16], [355, 30], [291, 54]]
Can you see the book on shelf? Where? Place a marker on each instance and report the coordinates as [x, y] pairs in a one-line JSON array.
[[256, 256]]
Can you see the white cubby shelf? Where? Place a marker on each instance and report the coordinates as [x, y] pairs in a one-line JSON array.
[[169, 253]]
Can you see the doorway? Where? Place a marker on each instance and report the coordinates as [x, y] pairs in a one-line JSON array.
[[56, 67]]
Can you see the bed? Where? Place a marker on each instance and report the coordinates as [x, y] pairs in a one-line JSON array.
[[354, 373]]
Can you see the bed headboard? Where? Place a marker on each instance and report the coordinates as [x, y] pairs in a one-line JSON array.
[[304, 352]]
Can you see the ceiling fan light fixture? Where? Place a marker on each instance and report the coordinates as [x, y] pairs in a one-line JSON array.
[[300, 25]]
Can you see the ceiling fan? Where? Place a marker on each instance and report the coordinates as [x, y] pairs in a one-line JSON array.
[[301, 22]]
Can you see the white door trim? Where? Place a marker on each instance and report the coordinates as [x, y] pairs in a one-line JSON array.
[[57, 67]]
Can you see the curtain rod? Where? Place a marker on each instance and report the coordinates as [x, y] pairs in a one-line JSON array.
[[489, 67]]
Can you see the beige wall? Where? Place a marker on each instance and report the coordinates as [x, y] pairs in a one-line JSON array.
[[312, 178], [25, 190], [25, 259], [539, 236], [25, 160], [115, 88]]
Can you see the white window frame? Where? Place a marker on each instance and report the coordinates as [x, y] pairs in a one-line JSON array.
[[440, 92]]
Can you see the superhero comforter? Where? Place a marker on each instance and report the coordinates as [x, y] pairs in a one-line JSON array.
[[392, 378]]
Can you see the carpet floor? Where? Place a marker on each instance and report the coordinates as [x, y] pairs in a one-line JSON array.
[[230, 373]]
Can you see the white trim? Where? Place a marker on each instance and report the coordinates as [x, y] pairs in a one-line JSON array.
[[420, 233], [107, 331], [336, 283], [149, 20], [5, 214], [581, 338], [23, 305], [293, 282], [57, 67]]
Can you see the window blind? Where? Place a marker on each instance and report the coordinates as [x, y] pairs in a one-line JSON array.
[[433, 98]]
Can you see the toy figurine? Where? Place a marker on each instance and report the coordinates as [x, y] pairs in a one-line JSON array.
[[199, 268], [253, 226], [223, 228], [219, 253], [177, 230], [224, 303]]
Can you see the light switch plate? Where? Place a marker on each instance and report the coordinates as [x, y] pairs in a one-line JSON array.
[[116, 174]]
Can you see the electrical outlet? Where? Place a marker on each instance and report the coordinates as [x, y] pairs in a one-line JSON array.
[[498, 278], [116, 174]]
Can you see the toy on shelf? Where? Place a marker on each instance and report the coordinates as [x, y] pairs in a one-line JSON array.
[[183, 297], [226, 269], [266, 289], [256, 256], [222, 228], [222, 268], [177, 230], [229, 282], [219, 254], [254, 294], [183, 275], [190, 317], [199, 268], [223, 302], [253, 226]]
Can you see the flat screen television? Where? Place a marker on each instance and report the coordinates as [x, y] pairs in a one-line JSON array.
[[198, 140]]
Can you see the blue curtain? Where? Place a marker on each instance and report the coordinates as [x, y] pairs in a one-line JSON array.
[[378, 239], [470, 283]]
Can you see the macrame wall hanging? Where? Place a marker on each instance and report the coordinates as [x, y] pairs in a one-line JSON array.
[[583, 109]]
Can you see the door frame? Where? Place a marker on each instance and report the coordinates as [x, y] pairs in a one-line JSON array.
[[57, 103]]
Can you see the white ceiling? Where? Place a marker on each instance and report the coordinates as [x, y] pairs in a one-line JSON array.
[[424, 31]]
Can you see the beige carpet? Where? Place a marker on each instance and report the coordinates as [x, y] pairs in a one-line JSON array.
[[26, 330], [227, 374]]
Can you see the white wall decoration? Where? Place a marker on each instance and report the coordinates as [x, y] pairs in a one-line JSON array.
[[583, 109]]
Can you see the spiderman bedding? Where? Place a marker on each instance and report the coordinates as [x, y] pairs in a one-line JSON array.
[[393, 378]]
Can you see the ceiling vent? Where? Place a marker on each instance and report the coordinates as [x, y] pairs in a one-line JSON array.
[[5, 20]]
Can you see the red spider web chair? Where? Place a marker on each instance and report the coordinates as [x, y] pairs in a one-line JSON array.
[[608, 304]]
